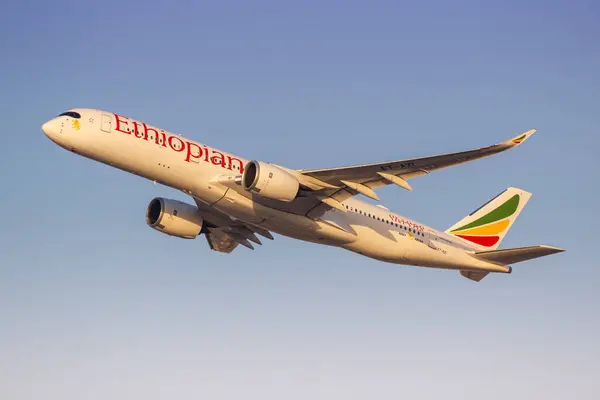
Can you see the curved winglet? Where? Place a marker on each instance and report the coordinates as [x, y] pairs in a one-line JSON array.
[[517, 140]]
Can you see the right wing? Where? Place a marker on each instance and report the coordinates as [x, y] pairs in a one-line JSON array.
[[334, 185], [383, 173]]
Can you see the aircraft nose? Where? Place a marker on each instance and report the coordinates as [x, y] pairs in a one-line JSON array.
[[51, 128]]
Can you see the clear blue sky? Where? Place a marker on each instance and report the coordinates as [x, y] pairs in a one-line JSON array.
[[96, 305]]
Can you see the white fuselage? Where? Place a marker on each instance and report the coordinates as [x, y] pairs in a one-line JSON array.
[[207, 174]]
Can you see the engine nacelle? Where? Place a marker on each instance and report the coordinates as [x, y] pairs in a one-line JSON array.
[[174, 218], [269, 181]]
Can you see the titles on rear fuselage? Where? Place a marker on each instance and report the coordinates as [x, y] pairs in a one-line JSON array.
[[407, 222], [192, 150]]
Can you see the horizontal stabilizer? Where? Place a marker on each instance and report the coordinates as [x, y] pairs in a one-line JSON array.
[[474, 275], [512, 256]]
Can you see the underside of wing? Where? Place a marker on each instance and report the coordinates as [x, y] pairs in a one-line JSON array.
[[224, 234], [220, 242]]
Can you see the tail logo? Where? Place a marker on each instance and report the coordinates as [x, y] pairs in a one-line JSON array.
[[486, 230]]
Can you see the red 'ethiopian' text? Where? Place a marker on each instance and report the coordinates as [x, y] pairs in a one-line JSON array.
[[406, 222], [192, 151]]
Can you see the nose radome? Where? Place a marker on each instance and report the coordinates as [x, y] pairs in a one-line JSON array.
[[51, 127], [46, 127]]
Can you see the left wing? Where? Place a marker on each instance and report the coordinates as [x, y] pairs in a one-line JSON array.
[[225, 239], [220, 242], [224, 234], [333, 185]]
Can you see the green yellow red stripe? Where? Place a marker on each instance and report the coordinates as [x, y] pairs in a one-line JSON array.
[[486, 230], [519, 139], [495, 228], [505, 210], [486, 241]]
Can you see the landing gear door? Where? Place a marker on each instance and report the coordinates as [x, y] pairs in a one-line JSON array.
[[106, 124]]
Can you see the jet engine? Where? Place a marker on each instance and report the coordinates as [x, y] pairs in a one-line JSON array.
[[174, 218], [269, 181]]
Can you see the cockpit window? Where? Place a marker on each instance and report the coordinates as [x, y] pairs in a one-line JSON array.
[[71, 114]]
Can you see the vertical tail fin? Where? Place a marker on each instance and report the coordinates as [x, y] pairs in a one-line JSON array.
[[485, 227]]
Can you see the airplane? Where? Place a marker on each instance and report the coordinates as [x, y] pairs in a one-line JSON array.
[[236, 199]]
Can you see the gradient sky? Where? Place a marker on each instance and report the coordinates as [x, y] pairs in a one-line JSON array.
[[94, 304]]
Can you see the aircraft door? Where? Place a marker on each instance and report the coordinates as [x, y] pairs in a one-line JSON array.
[[106, 123]]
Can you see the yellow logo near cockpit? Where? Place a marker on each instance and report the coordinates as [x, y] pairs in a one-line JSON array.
[[76, 124]]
